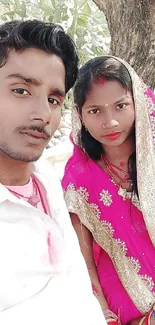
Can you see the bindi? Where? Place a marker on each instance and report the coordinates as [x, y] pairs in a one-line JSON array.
[[101, 81]]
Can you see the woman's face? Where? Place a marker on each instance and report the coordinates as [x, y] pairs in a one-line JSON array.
[[108, 113]]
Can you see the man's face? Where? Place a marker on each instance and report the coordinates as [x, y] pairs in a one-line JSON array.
[[32, 90]]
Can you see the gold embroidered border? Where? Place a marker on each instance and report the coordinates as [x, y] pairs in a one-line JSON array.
[[137, 289]]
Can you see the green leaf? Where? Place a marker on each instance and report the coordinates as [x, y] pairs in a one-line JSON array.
[[53, 3], [17, 3], [10, 14], [22, 10], [3, 17], [57, 16], [5, 2], [50, 18], [46, 8], [87, 9], [82, 22]]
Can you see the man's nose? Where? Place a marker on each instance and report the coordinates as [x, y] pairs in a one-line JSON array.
[[41, 111]]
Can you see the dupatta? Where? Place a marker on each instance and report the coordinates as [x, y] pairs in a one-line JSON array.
[[78, 199]]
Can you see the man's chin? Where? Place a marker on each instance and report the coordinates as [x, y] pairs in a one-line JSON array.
[[30, 158], [27, 158]]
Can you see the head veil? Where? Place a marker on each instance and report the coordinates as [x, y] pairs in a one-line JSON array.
[[144, 100]]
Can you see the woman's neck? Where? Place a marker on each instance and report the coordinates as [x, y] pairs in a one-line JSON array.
[[120, 154]]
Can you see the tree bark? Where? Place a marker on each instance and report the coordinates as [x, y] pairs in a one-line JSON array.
[[132, 27]]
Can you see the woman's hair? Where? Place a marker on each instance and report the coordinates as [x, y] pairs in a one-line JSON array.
[[48, 37], [108, 68]]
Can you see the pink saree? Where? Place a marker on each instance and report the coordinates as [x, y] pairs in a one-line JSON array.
[[90, 192], [122, 226]]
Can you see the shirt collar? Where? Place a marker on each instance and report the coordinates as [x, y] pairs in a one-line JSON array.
[[5, 194], [40, 169]]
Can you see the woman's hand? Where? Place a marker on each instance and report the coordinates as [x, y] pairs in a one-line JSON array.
[[144, 320], [109, 314]]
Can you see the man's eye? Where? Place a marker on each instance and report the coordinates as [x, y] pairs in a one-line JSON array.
[[53, 101], [20, 91], [94, 111], [121, 106]]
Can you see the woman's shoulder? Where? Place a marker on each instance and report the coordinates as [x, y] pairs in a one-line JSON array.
[[76, 169]]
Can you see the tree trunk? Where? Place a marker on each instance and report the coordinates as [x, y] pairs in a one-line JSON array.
[[132, 27]]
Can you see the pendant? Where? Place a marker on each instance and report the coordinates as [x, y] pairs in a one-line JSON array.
[[34, 200], [122, 192], [126, 178]]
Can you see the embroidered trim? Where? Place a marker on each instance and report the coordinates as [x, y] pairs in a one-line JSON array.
[[148, 281], [102, 231], [122, 245], [108, 227], [83, 192], [94, 207], [135, 264]]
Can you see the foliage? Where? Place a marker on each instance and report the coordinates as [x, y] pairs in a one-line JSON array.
[[80, 18]]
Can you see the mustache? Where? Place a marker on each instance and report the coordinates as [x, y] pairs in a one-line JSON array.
[[37, 128]]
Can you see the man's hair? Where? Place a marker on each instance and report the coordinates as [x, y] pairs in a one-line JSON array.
[[51, 38]]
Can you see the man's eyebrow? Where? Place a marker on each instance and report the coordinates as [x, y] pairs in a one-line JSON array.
[[58, 92], [29, 80], [34, 81]]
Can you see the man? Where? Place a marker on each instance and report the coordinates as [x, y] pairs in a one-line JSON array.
[[43, 278]]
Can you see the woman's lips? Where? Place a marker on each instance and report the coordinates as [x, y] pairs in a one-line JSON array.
[[112, 136]]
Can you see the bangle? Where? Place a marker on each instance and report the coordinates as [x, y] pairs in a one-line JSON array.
[[148, 316], [141, 320], [153, 309]]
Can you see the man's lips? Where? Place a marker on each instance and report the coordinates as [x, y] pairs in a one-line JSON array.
[[35, 134]]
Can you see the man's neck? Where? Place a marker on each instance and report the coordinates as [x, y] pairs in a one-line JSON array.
[[14, 172]]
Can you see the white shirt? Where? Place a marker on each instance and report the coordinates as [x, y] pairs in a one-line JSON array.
[[41, 284]]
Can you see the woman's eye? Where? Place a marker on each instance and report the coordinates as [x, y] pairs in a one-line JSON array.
[[121, 106], [53, 101], [94, 111], [20, 91]]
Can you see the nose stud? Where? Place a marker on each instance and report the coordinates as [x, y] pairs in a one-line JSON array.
[[103, 126]]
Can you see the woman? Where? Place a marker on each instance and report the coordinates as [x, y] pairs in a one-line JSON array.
[[109, 187]]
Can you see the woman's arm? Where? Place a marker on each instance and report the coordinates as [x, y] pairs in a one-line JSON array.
[[148, 319], [86, 245]]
